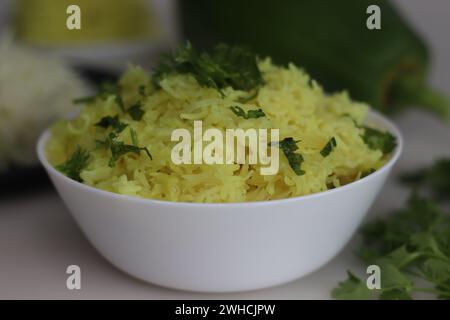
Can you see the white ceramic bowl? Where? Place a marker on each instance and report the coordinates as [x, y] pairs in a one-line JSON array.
[[221, 247]]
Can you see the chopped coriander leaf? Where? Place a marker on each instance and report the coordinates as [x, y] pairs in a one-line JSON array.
[[289, 146], [331, 144], [250, 113], [112, 122], [295, 160], [142, 90], [76, 162], [367, 172], [119, 148], [226, 66], [135, 111], [378, 140]]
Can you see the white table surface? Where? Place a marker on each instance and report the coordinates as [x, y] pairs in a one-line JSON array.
[[39, 239]]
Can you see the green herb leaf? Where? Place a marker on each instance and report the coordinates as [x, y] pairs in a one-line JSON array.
[[289, 146], [142, 90], [436, 270], [331, 144], [410, 243], [395, 294], [378, 140], [75, 164], [136, 112], [401, 257], [392, 278], [112, 122], [224, 67], [352, 289], [367, 173], [119, 148], [250, 113]]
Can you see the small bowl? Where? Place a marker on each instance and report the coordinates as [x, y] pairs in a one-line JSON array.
[[221, 247]]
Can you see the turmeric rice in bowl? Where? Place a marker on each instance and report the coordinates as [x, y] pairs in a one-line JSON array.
[[333, 147]]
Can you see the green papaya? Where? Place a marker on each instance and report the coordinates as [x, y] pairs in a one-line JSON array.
[[386, 67]]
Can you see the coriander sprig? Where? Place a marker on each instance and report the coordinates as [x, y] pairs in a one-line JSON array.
[[410, 244]]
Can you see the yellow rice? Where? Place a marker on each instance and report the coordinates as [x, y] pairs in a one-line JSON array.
[[292, 102]]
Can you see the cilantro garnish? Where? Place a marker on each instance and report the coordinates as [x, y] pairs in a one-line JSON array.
[[226, 66], [410, 244], [352, 289], [74, 164], [135, 111], [331, 144], [142, 90], [378, 140], [289, 146], [119, 148], [367, 172], [250, 113], [112, 122]]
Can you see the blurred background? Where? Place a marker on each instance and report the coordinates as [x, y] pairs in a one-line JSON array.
[[402, 70]]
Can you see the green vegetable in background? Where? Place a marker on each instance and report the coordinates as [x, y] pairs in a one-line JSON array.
[[386, 68], [410, 244]]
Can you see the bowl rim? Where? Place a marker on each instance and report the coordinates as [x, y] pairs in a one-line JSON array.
[[373, 117]]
